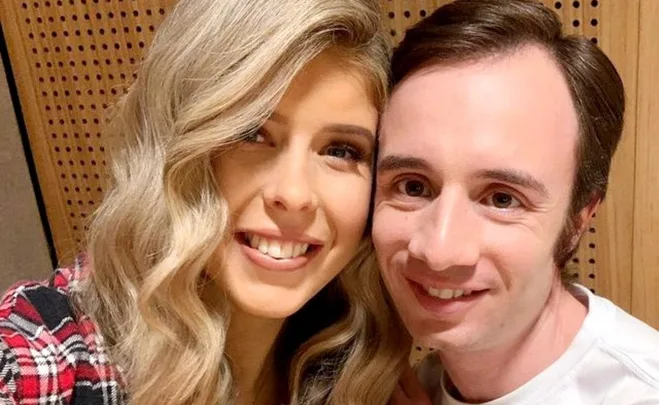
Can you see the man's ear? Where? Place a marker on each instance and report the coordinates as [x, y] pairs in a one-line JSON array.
[[584, 217]]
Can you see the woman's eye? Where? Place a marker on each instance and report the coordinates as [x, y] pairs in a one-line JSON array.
[[502, 201], [413, 188], [255, 137], [346, 152]]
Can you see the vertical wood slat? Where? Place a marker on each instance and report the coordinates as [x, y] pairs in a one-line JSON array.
[[17, 48], [645, 296], [618, 37]]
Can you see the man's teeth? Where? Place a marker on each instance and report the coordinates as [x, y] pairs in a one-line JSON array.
[[277, 249], [446, 294]]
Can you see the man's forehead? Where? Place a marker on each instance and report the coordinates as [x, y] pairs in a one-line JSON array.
[[508, 115], [522, 91]]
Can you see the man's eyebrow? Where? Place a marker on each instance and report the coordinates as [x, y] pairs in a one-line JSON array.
[[397, 162], [515, 177]]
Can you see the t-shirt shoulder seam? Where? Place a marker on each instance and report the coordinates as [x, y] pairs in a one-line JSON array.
[[630, 363]]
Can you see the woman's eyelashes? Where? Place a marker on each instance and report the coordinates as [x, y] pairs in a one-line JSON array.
[[345, 151], [258, 136], [342, 150]]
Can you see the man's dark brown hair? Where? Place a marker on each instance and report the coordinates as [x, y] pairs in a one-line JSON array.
[[471, 30]]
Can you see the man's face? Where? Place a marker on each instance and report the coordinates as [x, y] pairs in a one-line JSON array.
[[474, 178]]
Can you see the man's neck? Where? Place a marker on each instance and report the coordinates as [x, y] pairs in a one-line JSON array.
[[486, 375]]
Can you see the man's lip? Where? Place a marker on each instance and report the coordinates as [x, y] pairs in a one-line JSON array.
[[280, 236], [431, 282]]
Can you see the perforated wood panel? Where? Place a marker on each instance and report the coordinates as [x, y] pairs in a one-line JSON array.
[[645, 296], [73, 58]]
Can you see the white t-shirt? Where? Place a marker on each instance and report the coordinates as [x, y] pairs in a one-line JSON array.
[[613, 360]]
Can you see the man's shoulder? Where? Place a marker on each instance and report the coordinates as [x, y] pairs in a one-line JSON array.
[[632, 343]]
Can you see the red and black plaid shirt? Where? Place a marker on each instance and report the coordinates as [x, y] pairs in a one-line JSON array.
[[49, 354]]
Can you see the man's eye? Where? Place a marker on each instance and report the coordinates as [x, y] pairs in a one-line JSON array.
[[413, 188], [502, 201]]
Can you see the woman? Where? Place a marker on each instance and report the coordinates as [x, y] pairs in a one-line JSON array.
[[241, 192]]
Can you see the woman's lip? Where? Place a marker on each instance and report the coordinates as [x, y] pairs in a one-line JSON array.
[[270, 263], [282, 236]]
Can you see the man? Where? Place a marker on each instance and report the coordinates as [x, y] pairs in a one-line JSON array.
[[494, 154]]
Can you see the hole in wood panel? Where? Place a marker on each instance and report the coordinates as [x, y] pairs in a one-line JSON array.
[[576, 4]]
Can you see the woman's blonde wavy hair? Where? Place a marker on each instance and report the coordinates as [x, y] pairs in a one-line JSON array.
[[216, 70]]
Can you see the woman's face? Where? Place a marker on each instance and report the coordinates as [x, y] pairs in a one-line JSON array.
[[298, 190]]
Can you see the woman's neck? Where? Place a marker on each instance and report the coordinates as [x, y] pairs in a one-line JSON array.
[[249, 345]]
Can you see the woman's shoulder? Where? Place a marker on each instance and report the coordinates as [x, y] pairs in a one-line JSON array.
[[49, 351]]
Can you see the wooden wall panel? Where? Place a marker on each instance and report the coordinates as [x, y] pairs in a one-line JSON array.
[[614, 239], [645, 296], [71, 59]]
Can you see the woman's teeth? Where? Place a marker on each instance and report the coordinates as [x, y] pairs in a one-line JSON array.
[[446, 294], [277, 249]]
